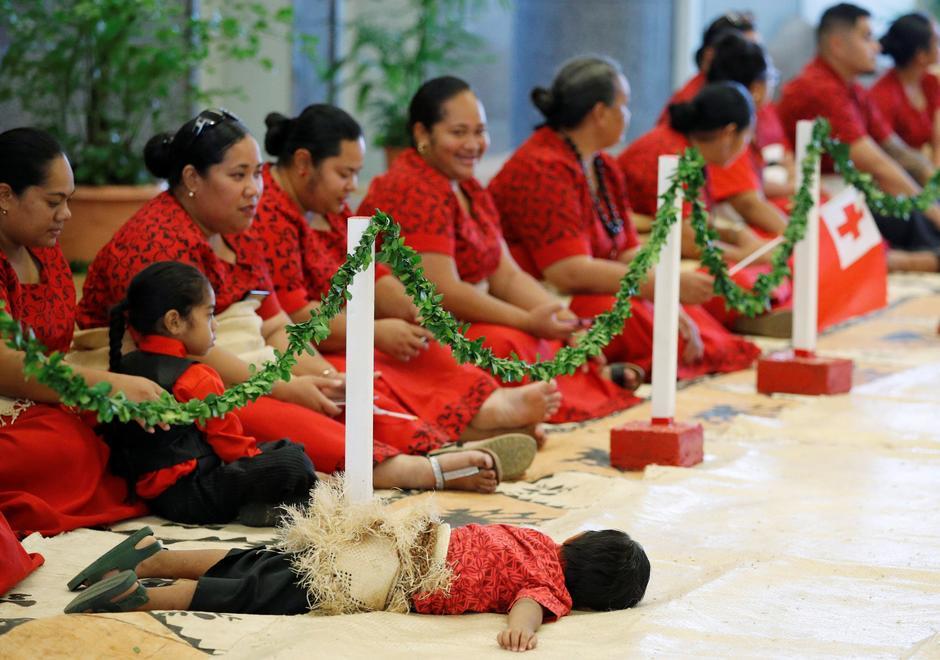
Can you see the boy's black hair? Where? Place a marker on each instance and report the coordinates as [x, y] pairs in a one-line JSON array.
[[605, 570], [840, 17], [153, 292]]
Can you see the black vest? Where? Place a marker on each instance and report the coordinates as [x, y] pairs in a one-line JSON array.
[[134, 451]]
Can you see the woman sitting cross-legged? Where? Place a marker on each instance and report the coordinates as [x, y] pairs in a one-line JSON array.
[[301, 222], [214, 169], [450, 219], [565, 214]]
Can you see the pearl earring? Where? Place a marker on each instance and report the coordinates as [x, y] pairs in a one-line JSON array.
[[190, 194]]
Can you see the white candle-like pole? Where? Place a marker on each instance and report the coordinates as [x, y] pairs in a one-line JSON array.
[[666, 305], [360, 342], [806, 255]]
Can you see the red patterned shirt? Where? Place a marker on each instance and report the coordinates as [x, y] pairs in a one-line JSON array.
[[546, 205], [423, 202], [914, 126], [301, 258], [163, 231], [48, 306], [496, 565], [818, 91]]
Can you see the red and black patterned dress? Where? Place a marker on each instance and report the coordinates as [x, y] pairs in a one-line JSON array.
[[53, 467], [302, 259], [913, 125], [422, 201], [163, 231], [548, 215]]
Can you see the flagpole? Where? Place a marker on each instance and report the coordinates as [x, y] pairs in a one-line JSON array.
[[806, 256]]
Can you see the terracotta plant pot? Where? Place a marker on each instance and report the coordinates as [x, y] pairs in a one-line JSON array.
[[97, 213]]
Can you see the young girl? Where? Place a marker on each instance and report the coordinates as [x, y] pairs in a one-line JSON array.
[[200, 473], [337, 557]]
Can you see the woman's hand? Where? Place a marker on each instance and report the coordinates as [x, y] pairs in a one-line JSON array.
[[135, 388], [695, 288], [551, 320], [305, 391], [688, 330], [400, 339]]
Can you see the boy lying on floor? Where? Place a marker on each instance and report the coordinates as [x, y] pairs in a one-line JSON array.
[[335, 557]]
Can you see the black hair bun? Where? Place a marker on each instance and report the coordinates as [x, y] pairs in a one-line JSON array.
[[683, 116], [158, 155], [276, 136], [543, 100]]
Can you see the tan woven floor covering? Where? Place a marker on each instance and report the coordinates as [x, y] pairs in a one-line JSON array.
[[812, 529]]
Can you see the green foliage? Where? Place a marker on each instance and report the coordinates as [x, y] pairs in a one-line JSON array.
[[406, 265], [388, 59], [96, 73]]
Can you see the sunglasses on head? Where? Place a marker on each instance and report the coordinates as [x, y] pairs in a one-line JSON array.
[[207, 119]]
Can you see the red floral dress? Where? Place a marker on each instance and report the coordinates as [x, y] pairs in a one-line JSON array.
[[53, 467], [496, 565], [421, 200], [548, 215], [302, 259], [913, 125], [163, 231]]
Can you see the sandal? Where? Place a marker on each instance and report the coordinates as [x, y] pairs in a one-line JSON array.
[[618, 375], [121, 557], [512, 453], [99, 597]]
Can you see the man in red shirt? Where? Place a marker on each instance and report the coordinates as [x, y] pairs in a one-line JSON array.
[[846, 49]]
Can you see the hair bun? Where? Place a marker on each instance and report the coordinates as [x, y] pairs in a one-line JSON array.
[[543, 100], [683, 116], [278, 130], [158, 155]]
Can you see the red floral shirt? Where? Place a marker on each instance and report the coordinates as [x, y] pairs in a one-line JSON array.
[[301, 258], [913, 126], [163, 231], [48, 306], [546, 206], [818, 91], [224, 434], [423, 202], [496, 565]]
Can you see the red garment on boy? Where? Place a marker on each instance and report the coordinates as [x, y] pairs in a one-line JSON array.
[[496, 565], [548, 215], [422, 201], [913, 125], [302, 259], [53, 467], [162, 230]]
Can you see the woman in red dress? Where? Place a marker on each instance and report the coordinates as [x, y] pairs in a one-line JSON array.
[[214, 170], [53, 467], [908, 95], [449, 218], [564, 209], [301, 222]]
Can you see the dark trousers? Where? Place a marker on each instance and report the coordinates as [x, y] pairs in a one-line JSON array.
[[215, 491], [914, 234]]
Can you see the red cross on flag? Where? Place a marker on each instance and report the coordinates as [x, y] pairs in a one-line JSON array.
[[853, 273]]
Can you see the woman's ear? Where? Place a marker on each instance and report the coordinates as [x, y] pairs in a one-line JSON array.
[[6, 196], [191, 180], [173, 323], [420, 134], [302, 161]]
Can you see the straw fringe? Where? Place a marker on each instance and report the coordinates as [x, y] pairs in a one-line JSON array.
[[316, 534]]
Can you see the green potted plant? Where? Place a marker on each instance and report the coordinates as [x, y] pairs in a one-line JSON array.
[[388, 59], [102, 75]]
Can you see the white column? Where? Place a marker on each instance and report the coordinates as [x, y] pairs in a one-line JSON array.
[[666, 305], [806, 254], [360, 342]]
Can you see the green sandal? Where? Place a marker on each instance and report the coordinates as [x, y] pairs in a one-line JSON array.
[[512, 453], [100, 596], [121, 557]]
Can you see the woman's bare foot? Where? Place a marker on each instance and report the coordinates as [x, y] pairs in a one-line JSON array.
[[631, 380], [415, 472], [518, 407]]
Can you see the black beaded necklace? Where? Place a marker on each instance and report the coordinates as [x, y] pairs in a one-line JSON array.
[[607, 212]]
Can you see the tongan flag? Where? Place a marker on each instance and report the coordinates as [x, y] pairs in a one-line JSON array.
[[853, 269]]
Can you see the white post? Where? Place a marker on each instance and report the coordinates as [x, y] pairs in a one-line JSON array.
[[360, 340], [806, 255], [666, 305]]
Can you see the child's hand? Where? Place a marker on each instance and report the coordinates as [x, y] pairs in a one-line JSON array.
[[517, 639]]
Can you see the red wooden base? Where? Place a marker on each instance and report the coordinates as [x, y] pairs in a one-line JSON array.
[[635, 445], [803, 374]]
